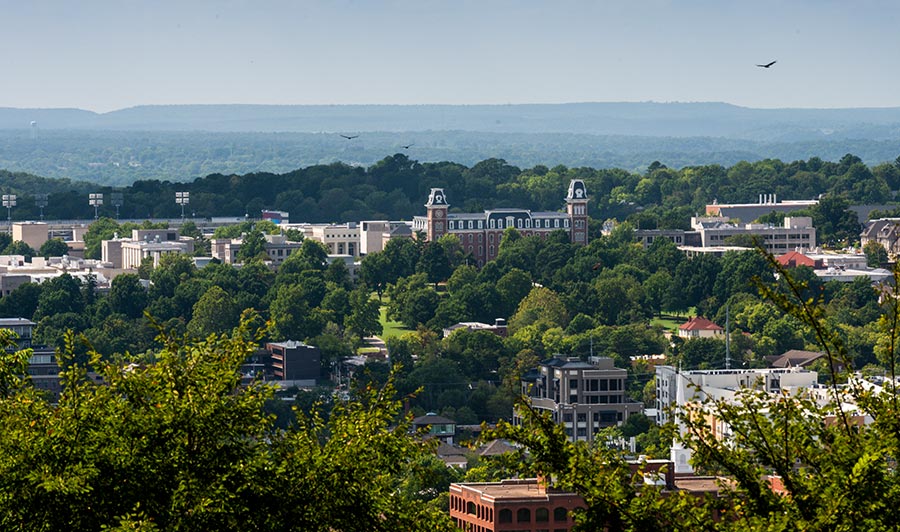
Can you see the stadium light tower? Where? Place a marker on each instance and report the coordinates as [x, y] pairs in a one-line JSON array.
[[182, 198], [116, 199], [9, 201], [95, 201], [40, 201]]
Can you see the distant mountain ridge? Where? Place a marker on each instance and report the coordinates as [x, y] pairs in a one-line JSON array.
[[703, 119]]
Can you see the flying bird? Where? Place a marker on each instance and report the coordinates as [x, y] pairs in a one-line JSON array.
[[767, 65], [349, 137], [408, 146]]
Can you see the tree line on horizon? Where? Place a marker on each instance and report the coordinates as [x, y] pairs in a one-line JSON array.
[[396, 187]]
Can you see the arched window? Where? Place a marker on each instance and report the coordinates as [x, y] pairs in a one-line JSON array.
[[470, 508], [542, 515], [560, 514], [506, 515], [523, 515]]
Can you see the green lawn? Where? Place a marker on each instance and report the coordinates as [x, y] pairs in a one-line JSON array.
[[390, 328], [668, 322], [364, 350]]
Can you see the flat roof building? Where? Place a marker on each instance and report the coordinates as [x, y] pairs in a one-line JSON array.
[[582, 396], [677, 390], [294, 361], [515, 504], [796, 232], [32, 233]]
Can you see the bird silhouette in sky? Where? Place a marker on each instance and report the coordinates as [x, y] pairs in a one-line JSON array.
[[408, 146], [349, 137], [767, 65]]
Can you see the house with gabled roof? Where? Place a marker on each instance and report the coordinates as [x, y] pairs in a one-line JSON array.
[[699, 327], [885, 231]]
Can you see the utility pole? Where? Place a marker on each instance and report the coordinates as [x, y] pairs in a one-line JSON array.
[[727, 337]]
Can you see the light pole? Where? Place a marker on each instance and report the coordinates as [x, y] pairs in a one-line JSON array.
[[182, 198], [9, 201], [117, 199], [95, 201], [40, 201]]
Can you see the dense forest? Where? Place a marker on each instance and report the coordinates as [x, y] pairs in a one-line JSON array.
[[395, 187]]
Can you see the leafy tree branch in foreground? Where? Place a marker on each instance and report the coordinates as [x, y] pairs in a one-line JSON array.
[[180, 445], [834, 450]]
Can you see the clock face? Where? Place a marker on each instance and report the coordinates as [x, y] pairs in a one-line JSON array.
[[438, 213]]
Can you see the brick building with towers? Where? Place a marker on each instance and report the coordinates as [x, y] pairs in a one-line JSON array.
[[480, 233]]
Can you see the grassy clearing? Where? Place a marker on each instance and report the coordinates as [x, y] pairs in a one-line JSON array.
[[364, 350], [390, 328], [668, 322]]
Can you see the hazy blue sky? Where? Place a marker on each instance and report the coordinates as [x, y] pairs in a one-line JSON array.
[[104, 55]]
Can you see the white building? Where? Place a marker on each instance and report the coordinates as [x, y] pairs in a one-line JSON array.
[[374, 234], [127, 253], [340, 239], [677, 390], [134, 252], [278, 249], [797, 232]]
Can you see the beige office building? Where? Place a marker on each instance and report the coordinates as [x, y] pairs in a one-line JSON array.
[[32, 233]]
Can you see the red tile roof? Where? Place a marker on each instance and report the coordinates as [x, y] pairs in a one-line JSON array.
[[793, 259], [699, 323]]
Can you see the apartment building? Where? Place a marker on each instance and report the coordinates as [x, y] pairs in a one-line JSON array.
[[294, 361], [583, 396], [677, 390]]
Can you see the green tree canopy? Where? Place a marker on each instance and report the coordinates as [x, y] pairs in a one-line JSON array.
[[180, 445], [55, 247]]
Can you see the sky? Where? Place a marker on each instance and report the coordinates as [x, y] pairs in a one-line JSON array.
[[104, 55]]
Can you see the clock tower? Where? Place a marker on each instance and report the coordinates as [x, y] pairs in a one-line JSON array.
[[576, 208], [437, 215]]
